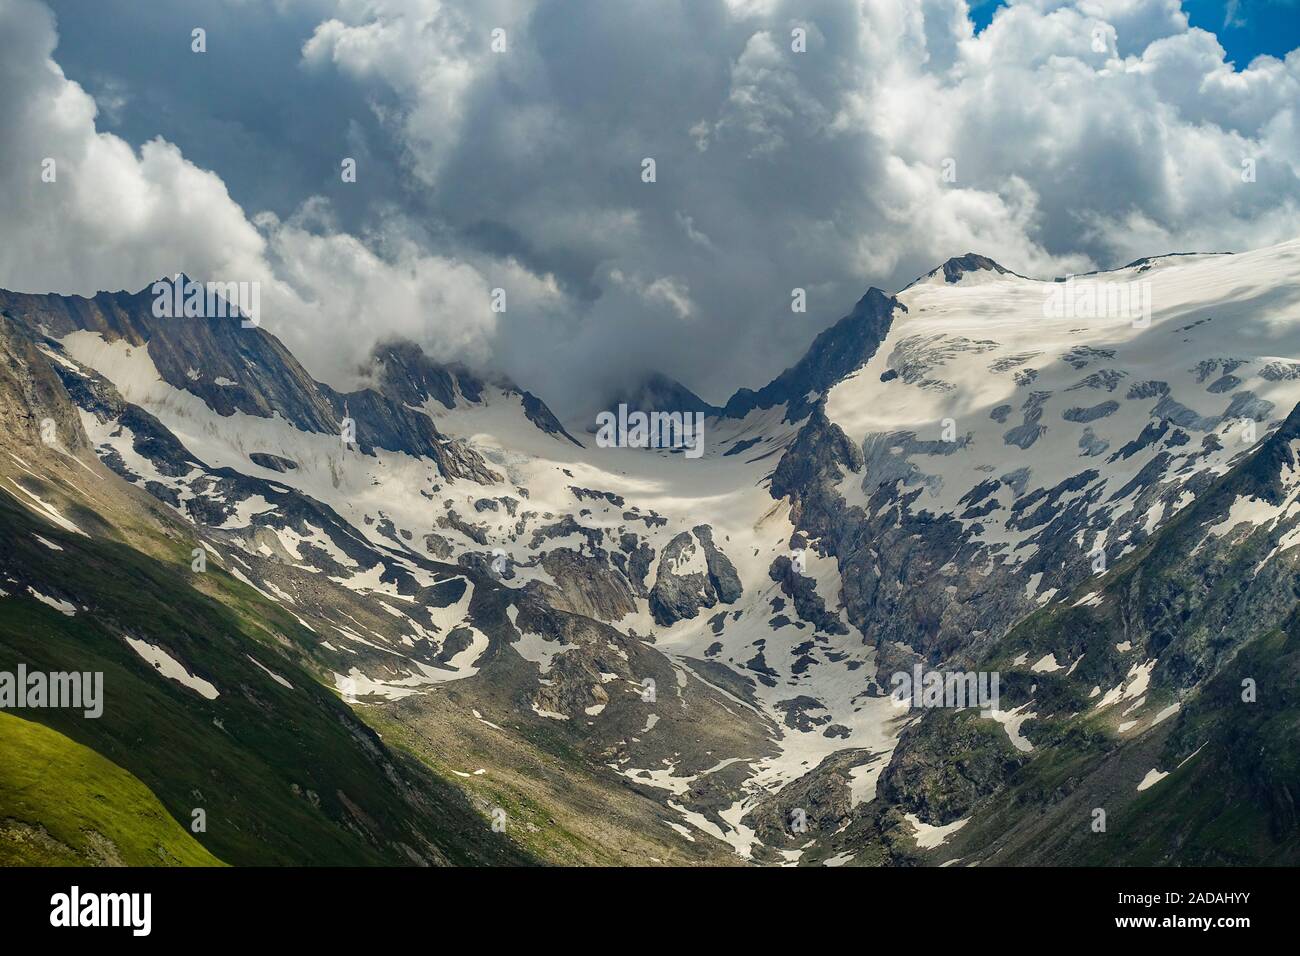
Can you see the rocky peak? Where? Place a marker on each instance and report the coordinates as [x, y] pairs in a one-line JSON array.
[[1264, 476], [236, 369], [658, 392], [33, 403], [410, 377], [408, 374], [835, 353], [957, 267]]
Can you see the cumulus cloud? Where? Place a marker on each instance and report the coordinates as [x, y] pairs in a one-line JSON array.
[[332, 282], [111, 215], [1075, 135], [114, 217], [1082, 135]]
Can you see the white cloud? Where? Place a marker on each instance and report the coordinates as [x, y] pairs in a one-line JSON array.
[[117, 218], [1085, 134], [112, 216]]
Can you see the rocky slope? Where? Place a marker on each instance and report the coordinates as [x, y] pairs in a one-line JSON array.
[[976, 473]]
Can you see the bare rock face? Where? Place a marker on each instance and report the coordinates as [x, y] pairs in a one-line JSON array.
[[587, 585], [634, 559], [238, 369], [809, 605], [412, 378], [722, 573], [835, 353], [693, 575], [33, 403], [816, 806], [958, 266], [273, 462], [922, 777]]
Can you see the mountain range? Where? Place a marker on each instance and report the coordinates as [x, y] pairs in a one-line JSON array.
[[428, 622]]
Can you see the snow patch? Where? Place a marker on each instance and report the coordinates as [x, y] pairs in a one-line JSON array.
[[171, 668]]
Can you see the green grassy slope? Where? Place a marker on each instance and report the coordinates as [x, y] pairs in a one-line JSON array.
[[62, 804], [285, 775]]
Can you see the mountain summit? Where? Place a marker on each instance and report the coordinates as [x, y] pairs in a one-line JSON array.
[[958, 267], [641, 655]]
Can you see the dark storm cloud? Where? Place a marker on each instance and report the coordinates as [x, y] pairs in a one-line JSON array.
[[1082, 135]]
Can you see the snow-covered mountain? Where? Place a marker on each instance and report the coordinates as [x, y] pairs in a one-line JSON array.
[[715, 635]]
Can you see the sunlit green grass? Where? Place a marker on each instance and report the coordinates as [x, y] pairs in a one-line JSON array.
[[91, 810]]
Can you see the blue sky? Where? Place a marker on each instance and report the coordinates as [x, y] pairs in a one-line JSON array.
[[1245, 28], [1250, 27]]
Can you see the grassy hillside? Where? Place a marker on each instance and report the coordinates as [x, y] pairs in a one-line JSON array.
[[286, 774], [62, 804]]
